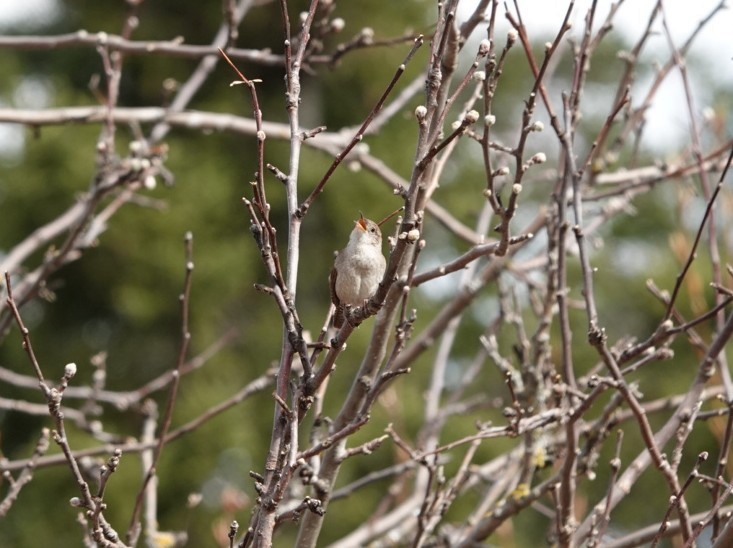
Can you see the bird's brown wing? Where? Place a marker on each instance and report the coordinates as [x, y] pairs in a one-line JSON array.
[[338, 315]]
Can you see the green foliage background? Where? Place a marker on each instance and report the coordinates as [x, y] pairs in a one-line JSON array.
[[122, 297]]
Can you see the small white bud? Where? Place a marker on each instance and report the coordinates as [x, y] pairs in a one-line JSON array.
[[479, 75], [303, 16], [194, 499], [136, 147], [511, 37], [367, 34], [516, 188], [69, 370], [548, 46], [456, 124], [487, 193], [261, 135], [502, 171], [354, 166], [537, 126], [421, 112], [484, 47], [150, 183], [472, 116], [102, 38], [539, 158], [75, 502], [489, 119], [338, 24], [413, 235], [665, 354]]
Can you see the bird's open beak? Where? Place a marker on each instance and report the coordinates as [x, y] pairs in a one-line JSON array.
[[361, 223]]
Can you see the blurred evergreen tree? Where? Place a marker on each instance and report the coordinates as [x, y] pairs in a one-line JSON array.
[[122, 297]]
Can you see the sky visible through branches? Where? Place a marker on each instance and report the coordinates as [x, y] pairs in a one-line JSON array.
[[667, 122]]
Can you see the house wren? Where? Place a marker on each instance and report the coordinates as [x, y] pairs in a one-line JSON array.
[[358, 268]]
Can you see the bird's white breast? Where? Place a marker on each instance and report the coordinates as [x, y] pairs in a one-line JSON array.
[[359, 277]]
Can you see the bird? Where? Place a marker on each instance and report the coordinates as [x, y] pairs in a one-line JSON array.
[[358, 268]]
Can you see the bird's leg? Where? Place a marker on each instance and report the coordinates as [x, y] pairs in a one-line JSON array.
[[348, 314]]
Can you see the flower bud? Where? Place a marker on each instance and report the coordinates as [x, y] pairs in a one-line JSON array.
[[539, 158], [338, 24]]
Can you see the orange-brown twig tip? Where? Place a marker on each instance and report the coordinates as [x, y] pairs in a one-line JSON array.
[[388, 217]]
